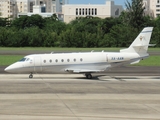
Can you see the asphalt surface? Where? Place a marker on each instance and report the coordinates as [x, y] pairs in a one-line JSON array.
[[72, 97], [122, 93]]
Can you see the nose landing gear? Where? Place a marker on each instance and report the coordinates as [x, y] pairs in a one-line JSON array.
[[31, 75]]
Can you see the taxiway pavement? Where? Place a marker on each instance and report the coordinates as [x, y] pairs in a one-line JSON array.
[[72, 97]]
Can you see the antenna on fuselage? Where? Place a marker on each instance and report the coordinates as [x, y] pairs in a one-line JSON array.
[[52, 52], [92, 51]]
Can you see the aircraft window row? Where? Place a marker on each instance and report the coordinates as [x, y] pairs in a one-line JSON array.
[[62, 60]]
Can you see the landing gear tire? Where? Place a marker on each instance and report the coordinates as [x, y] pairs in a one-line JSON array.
[[88, 76], [31, 75]]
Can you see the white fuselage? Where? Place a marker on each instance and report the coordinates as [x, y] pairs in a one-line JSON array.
[[60, 63]]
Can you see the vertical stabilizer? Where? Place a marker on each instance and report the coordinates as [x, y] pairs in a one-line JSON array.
[[141, 43]]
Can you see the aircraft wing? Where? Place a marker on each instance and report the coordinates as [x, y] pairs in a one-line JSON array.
[[82, 70]]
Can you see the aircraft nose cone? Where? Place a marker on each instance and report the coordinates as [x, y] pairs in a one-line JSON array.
[[9, 68], [6, 69], [14, 68]]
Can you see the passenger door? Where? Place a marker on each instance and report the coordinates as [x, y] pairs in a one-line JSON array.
[[106, 57], [37, 64]]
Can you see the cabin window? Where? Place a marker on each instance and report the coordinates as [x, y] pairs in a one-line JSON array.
[[62, 60], [81, 59], [56, 60], [68, 60], [74, 60], [44, 61], [50, 61]]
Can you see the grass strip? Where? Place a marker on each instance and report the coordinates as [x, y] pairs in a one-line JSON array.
[[9, 59], [150, 61]]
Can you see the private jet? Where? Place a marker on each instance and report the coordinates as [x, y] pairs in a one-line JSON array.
[[86, 62]]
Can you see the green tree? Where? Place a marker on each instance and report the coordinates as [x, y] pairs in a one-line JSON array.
[[3, 22], [55, 26], [89, 30], [28, 21], [36, 36], [108, 23], [51, 39], [156, 32], [3, 36], [156, 37], [121, 36], [134, 14]]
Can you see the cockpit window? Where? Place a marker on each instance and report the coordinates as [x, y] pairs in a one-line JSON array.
[[22, 60], [27, 59]]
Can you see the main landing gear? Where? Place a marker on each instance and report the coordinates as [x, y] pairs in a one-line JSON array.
[[31, 75], [88, 76]]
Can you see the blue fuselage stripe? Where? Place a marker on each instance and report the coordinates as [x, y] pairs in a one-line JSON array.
[[146, 31]]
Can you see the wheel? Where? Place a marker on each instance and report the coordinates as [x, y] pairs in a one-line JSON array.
[[30, 76], [88, 76]]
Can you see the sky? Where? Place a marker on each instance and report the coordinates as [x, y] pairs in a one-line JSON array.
[[117, 2]]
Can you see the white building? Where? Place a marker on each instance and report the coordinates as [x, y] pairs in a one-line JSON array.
[[73, 11], [152, 7], [6, 8], [14, 8]]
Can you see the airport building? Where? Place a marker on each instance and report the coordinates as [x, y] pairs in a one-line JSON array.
[[152, 7], [73, 11]]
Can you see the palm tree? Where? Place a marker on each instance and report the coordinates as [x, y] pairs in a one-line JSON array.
[[135, 13], [54, 17]]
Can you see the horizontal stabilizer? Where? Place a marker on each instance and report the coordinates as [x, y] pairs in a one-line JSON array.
[[139, 45], [152, 44]]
